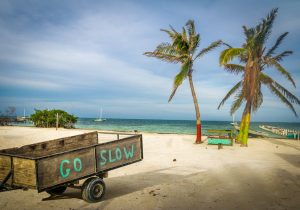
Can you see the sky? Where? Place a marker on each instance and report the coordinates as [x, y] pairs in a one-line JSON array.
[[83, 55]]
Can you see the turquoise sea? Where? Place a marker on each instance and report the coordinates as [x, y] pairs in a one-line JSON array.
[[167, 126]]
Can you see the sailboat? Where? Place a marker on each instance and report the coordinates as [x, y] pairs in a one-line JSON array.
[[24, 118], [233, 123], [100, 119]]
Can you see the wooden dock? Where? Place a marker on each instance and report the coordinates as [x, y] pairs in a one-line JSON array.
[[252, 133], [288, 133]]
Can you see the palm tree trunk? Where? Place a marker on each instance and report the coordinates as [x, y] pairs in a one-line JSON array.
[[198, 120], [247, 117], [241, 132]]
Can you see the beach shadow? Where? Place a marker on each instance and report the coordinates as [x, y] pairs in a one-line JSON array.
[[292, 159], [283, 143], [119, 186]]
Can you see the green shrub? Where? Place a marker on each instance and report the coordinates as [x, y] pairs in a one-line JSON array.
[[47, 118]]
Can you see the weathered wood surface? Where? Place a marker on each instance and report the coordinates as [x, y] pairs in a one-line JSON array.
[[24, 172], [219, 131], [118, 153], [55, 146], [45, 172], [66, 167], [5, 167]]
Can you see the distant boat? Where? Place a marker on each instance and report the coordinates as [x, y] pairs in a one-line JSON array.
[[100, 119], [23, 118], [233, 123]]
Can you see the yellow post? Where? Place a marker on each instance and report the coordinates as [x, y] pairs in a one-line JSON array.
[[246, 130], [241, 132]]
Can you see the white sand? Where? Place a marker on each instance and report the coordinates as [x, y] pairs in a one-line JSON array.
[[265, 175]]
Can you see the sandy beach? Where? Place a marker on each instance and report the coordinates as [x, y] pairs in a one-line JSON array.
[[265, 175]]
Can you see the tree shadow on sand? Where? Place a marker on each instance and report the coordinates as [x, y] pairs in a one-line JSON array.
[[283, 143], [122, 185], [290, 158]]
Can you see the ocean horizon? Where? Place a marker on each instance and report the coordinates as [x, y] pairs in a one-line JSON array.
[[168, 126]]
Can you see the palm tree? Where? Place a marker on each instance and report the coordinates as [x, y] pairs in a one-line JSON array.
[[254, 59], [182, 49]]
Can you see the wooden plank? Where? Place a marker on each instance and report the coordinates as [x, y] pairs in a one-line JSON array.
[[219, 131], [65, 167], [56, 146], [117, 153], [5, 167], [24, 172], [216, 141]]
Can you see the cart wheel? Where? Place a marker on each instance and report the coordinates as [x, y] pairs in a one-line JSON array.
[[93, 190], [57, 190]]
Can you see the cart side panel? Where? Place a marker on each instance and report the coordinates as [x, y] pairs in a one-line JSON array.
[[5, 167], [65, 167], [24, 172], [57, 145], [118, 153]]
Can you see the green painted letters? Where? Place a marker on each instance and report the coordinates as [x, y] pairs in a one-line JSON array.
[[102, 157], [75, 164], [111, 160], [129, 154], [118, 153], [115, 154], [61, 169]]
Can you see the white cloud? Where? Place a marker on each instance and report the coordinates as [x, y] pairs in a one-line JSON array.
[[100, 51], [30, 83]]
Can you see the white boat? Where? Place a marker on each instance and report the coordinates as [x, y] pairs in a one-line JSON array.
[[23, 118], [100, 119]]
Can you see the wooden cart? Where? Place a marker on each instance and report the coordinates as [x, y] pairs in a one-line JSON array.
[[54, 165]]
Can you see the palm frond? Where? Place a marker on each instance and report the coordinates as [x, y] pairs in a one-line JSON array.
[[249, 32], [209, 48], [185, 68], [165, 57], [280, 56], [165, 48], [234, 68], [263, 30], [273, 63], [229, 54], [170, 33], [227, 45], [277, 43], [291, 97], [265, 79], [237, 102], [245, 29], [173, 93], [232, 91], [190, 27], [276, 92], [194, 43], [174, 31], [184, 36], [258, 100]]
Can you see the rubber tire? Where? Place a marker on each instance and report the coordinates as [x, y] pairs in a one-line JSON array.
[[58, 190], [88, 187], [84, 186]]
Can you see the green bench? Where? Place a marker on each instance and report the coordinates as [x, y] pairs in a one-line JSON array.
[[223, 137]]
